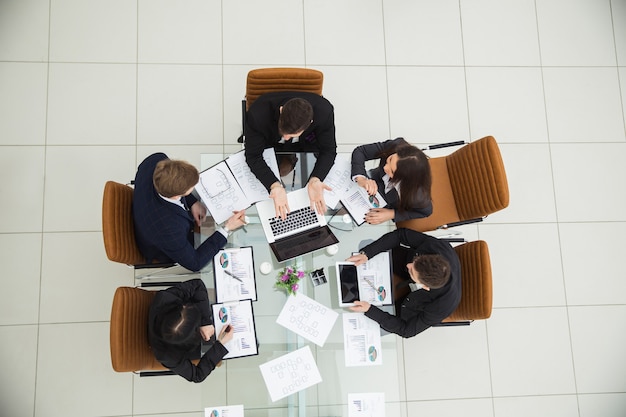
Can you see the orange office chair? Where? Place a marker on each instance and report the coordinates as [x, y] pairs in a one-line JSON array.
[[467, 185], [117, 227], [476, 279], [130, 350], [267, 80]]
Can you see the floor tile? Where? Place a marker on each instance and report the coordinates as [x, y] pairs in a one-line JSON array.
[[529, 351], [498, 96], [69, 282], [173, 394], [69, 352], [428, 104], [92, 104], [179, 32], [515, 23], [575, 33], [518, 281], [264, 33], [234, 87], [24, 165], [93, 31], [448, 362], [18, 348], [546, 406], [20, 257], [24, 30], [596, 193], [602, 243], [75, 178], [431, 31], [583, 105], [531, 189], [343, 87], [354, 28], [190, 153], [479, 407], [619, 30], [23, 96], [598, 348], [608, 405], [622, 77], [179, 104]]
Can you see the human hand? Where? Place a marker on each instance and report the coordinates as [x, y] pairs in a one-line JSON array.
[[281, 203], [226, 335], [379, 215], [358, 259], [316, 188], [235, 221], [370, 185], [207, 331], [360, 306], [198, 211]]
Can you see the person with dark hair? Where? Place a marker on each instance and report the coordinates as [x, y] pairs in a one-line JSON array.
[[291, 122], [179, 319], [402, 177], [164, 213], [429, 267]]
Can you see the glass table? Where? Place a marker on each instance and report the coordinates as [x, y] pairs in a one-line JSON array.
[[239, 380]]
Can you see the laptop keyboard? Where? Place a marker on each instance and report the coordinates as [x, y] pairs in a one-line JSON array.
[[295, 220]]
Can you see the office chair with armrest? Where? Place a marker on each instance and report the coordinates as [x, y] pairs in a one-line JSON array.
[[130, 350], [477, 293], [267, 80], [467, 185], [118, 230]]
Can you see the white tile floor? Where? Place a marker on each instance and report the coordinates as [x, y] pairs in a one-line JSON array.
[[90, 87]]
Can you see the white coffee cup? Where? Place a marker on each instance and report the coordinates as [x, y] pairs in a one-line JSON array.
[[332, 250], [265, 268]]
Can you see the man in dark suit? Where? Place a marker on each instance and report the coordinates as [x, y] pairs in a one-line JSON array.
[[291, 122], [429, 267], [164, 212]]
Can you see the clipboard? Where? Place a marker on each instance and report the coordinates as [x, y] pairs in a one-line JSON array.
[[240, 315], [234, 275], [371, 281]]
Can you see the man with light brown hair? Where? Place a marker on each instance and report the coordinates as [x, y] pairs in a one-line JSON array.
[[165, 211]]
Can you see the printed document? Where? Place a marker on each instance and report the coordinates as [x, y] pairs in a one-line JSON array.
[[308, 318]]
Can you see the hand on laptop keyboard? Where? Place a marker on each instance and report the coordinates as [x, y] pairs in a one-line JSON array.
[[281, 204]]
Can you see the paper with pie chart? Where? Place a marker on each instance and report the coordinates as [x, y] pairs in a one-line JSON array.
[[239, 315], [361, 340]]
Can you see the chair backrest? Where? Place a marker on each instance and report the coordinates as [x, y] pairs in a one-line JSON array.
[[267, 80], [470, 183], [477, 292], [130, 350], [117, 224], [478, 179]]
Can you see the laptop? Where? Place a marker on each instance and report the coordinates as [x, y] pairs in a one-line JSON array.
[[303, 231]]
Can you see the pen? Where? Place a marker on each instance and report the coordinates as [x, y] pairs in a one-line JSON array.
[[230, 274], [372, 285]]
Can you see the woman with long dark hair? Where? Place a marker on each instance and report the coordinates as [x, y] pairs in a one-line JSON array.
[[179, 319], [403, 179]]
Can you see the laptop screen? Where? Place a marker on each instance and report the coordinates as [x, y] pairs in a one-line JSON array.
[[304, 242]]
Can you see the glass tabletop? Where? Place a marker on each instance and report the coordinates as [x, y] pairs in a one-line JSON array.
[[239, 380]]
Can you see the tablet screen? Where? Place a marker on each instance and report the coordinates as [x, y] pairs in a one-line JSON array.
[[349, 283]]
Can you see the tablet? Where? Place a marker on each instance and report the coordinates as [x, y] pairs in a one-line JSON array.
[[347, 283]]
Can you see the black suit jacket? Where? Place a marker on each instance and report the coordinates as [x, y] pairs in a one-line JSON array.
[[419, 309], [372, 151], [164, 231], [262, 133], [179, 361]]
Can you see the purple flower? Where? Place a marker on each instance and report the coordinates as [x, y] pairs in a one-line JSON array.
[[294, 287], [300, 274], [289, 271], [284, 278]]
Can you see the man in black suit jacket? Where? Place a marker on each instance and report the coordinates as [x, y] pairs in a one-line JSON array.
[[291, 122], [433, 273], [164, 212]]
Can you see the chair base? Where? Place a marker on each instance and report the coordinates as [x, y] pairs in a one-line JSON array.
[[144, 374], [453, 323]]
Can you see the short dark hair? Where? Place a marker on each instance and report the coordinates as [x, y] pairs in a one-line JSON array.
[[180, 326], [296, 116], [172, 177], [433, 270]]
